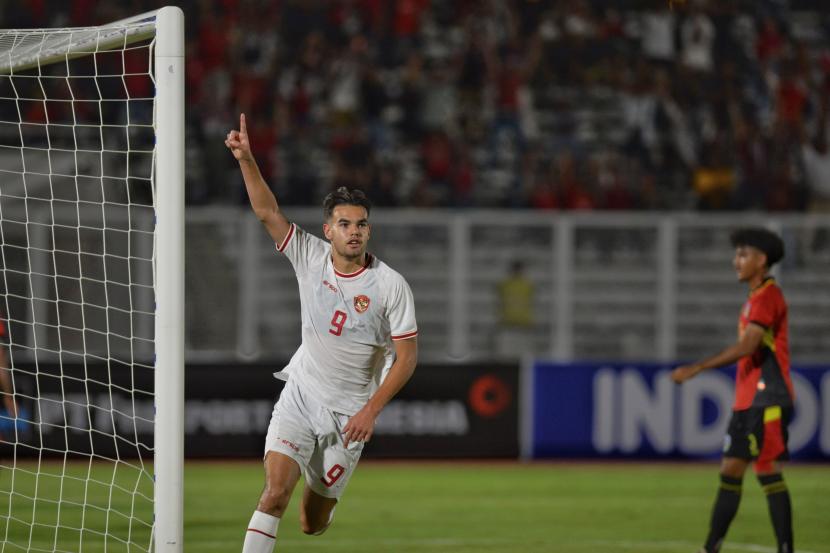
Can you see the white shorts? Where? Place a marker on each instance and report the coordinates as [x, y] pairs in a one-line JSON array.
[[312, 435]]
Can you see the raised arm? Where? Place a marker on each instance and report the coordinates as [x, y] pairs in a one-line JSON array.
[[263, 201]]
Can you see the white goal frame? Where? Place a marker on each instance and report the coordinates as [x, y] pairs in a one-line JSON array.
[[167, 25], [169, 266]]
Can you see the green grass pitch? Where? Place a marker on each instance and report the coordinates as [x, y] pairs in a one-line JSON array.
[[410, 507]]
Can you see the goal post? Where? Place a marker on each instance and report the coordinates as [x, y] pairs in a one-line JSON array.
[[92, 286], [169, 375]]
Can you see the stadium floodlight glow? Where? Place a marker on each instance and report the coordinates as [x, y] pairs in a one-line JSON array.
[[92, 285]]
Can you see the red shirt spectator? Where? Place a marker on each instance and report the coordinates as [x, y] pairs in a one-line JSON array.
[[769, 43], [618, 196], [437, 156], [544, 196], [213, 41], [792, 99], [407, 21], [577, 197]]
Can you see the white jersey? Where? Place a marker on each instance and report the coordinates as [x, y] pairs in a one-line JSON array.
[[349, 322]]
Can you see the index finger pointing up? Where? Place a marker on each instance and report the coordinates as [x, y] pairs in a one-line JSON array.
[[242, 127]]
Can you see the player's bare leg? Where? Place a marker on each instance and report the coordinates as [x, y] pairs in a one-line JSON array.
[[281, 476], [733, 467], [316, 512]]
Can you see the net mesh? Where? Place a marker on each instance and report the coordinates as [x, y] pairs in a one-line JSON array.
[[76, 288]]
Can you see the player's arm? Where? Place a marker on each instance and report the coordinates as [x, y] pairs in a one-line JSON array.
[[263, 201], [750, 341], [6, 383], [362, 424]]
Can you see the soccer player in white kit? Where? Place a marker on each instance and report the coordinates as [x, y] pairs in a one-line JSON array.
[[358, 349]]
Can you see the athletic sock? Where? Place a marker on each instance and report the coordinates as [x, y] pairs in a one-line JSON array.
[[261, 534], [726, 505], [780, 511]]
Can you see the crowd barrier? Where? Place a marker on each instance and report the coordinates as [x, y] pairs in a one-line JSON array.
[[625, 410], [444, 411], [537, 410]]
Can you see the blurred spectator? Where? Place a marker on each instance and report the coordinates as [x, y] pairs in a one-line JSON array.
[[785, 191], [614, 186], [477, 65], [516, 321], [406, 24], [791, 100], [301, 87], [410, 100], [714, 179], [752, 162], [639, 108], [697, 36], [382, 188], [769, 44], [576, 193], [500, 102], [373, 103], [345, 80], [544, 196], [437, 155], [657, 33], [462, 179], [439, 100], [816, 158]]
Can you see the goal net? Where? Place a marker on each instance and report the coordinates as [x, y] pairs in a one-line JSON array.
[[91, 237]]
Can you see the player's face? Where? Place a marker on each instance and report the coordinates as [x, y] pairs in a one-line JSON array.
[[348, 231], [749, 262]]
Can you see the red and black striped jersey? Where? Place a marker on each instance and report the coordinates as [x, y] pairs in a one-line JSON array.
[[763, 377]]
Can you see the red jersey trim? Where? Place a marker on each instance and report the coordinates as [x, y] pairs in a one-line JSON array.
[[266, 534], [289, 234], [356, 273], [405, 336]]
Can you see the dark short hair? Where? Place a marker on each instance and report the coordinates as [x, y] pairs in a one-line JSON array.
[[344, 196], [761, 239]]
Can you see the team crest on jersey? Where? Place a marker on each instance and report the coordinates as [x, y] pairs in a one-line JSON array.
[[361, 303]]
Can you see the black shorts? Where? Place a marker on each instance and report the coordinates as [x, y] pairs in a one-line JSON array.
[[759, 433]]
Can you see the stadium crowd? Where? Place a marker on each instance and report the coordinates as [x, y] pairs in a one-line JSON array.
[[585, 104]]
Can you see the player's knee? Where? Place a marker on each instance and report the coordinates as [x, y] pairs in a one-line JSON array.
[[734, 468], [274, 500]]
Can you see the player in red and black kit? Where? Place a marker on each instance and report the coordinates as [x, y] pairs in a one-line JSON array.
[[763, 391]]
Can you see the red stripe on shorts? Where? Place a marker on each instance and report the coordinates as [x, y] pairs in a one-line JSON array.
[[773, 441]]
